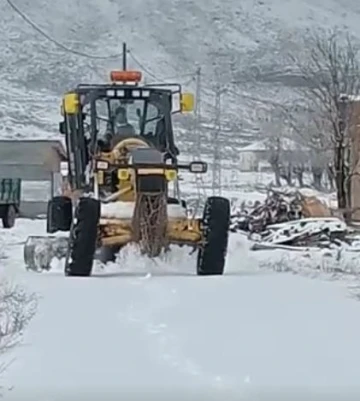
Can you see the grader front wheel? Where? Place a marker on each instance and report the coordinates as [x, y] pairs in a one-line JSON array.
[[216, 222]]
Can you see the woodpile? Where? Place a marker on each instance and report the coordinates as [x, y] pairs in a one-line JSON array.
[[278, 207], [292, 221]]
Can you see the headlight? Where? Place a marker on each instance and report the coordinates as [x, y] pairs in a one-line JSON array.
[[102, 165], [123, 174], [110, 93], [170, 175]]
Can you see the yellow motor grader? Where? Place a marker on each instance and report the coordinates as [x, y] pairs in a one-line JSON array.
[[122, 176]]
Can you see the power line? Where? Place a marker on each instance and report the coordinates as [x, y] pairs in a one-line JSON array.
[[54, 41], [188, 82], [142, 65], [172, 78], [152, 75]]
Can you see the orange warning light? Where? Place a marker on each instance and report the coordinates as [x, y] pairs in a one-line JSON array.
[[125, 76]]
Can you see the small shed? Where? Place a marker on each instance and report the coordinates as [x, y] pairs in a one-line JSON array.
[[252, 155], [256, 155], [37, 163]]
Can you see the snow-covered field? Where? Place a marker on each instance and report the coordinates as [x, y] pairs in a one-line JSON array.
[[140, 327]]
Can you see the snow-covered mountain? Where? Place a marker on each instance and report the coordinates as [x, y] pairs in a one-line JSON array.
[[243, 41]]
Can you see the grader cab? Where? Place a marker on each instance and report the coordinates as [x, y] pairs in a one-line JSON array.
[[121, 181]]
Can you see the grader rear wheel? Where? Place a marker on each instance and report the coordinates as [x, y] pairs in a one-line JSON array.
[[83, 237]]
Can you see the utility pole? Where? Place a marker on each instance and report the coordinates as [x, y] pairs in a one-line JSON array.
[[216, 171], [197, 122], [196, 153], [124, 56]]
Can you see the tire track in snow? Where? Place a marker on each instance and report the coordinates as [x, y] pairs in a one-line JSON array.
[[159, 286], [165, 344]]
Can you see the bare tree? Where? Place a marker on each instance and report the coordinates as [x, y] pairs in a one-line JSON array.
[[285, 160], [272, 134], [330, 69], [310, 134], [274, 158], [17, 308]]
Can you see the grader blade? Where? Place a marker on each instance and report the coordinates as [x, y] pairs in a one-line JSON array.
[[40, 251]]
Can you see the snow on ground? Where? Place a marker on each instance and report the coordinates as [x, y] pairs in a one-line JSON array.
[[139, 327]]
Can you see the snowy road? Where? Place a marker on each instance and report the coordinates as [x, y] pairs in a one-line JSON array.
[[138, 330]]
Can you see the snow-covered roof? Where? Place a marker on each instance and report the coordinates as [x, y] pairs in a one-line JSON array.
[[28, 151], [258, 146], [263, 145]]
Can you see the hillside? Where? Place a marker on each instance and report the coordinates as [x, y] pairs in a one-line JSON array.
[[246, 42]]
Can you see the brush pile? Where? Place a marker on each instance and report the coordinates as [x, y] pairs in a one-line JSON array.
[[303, 234], [289, 221], [278, 207]]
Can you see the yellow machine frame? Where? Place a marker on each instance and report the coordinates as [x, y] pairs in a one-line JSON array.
[[115, 231]]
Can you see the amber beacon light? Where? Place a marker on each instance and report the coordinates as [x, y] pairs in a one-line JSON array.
[[125, 76]]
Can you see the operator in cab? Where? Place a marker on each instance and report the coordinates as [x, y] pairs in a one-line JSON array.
[[119, 128]]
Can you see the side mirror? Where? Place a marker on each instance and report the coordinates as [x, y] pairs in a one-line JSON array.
[[198, 167], [187, 102], [62, 127]]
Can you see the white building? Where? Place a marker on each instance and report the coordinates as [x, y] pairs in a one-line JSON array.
[[255, 157]]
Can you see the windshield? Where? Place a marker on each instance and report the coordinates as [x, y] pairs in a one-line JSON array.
[[132, 117]]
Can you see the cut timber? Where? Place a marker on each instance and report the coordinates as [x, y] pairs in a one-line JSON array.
[[313, 207], [264, 246]]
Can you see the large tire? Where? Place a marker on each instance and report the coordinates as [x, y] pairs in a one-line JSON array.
[[83, 238], [216, 223], [59, 214], [9, 216]]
